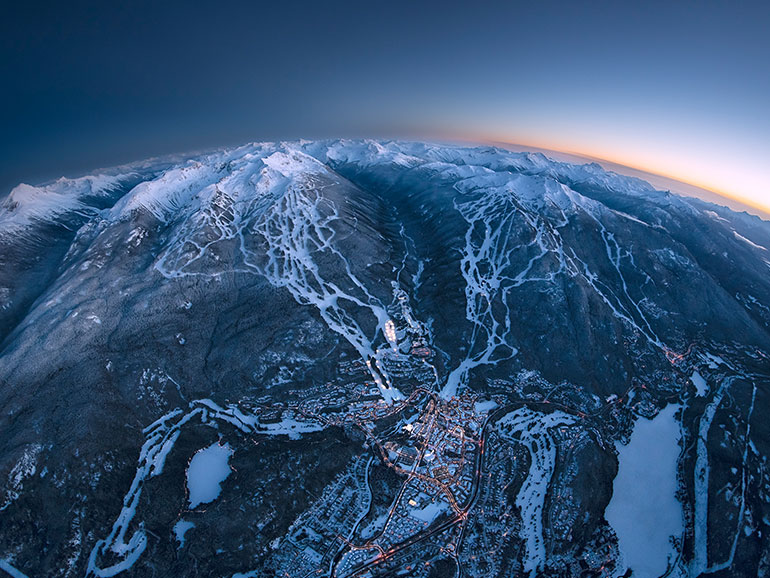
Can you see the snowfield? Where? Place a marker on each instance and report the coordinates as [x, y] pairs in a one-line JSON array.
[[644, 510], [207, 470], [363, 358]]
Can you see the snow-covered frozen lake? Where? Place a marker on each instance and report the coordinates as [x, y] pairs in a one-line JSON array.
[[701, 387], [180, 529], [644, 510], [207, 470]]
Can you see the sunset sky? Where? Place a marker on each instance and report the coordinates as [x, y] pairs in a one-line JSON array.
[[680, 88]]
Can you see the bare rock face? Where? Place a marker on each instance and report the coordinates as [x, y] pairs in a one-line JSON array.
[[385, 359]]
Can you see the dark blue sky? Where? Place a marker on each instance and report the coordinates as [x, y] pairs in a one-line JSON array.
[[682, 89]]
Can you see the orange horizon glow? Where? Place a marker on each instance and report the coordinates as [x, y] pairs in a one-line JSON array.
[[759, 206], [682, 179]]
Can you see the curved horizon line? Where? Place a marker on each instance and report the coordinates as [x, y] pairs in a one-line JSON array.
[[733, 201]]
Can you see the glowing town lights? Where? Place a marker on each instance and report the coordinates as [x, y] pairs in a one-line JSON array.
[[390, 334]]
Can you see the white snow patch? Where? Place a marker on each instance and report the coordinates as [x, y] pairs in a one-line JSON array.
[[6, 566], [715, 216], [532, 429], [27, 204], [429, 512], [132, 551], [482, 407], [293, 164], [701, 387], [180, 529], [390, 334], [748, 241], [166, 196], [25, 468], [159, 458], [644, 520], [630, 217], [290, 427], [375, 525], [714, 361], [207, 470]]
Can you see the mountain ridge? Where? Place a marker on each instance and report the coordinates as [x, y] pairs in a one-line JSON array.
[[278, 297]]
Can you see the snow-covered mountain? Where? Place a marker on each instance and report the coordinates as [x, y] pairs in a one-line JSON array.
[[358, 358]]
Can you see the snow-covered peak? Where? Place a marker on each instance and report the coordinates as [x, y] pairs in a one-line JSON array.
[[175, 188], [241, 174], [26, 204], [292, 163], [364, 153], [171, 191]]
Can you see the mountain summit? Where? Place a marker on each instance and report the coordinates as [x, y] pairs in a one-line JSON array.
[[360, 358]]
